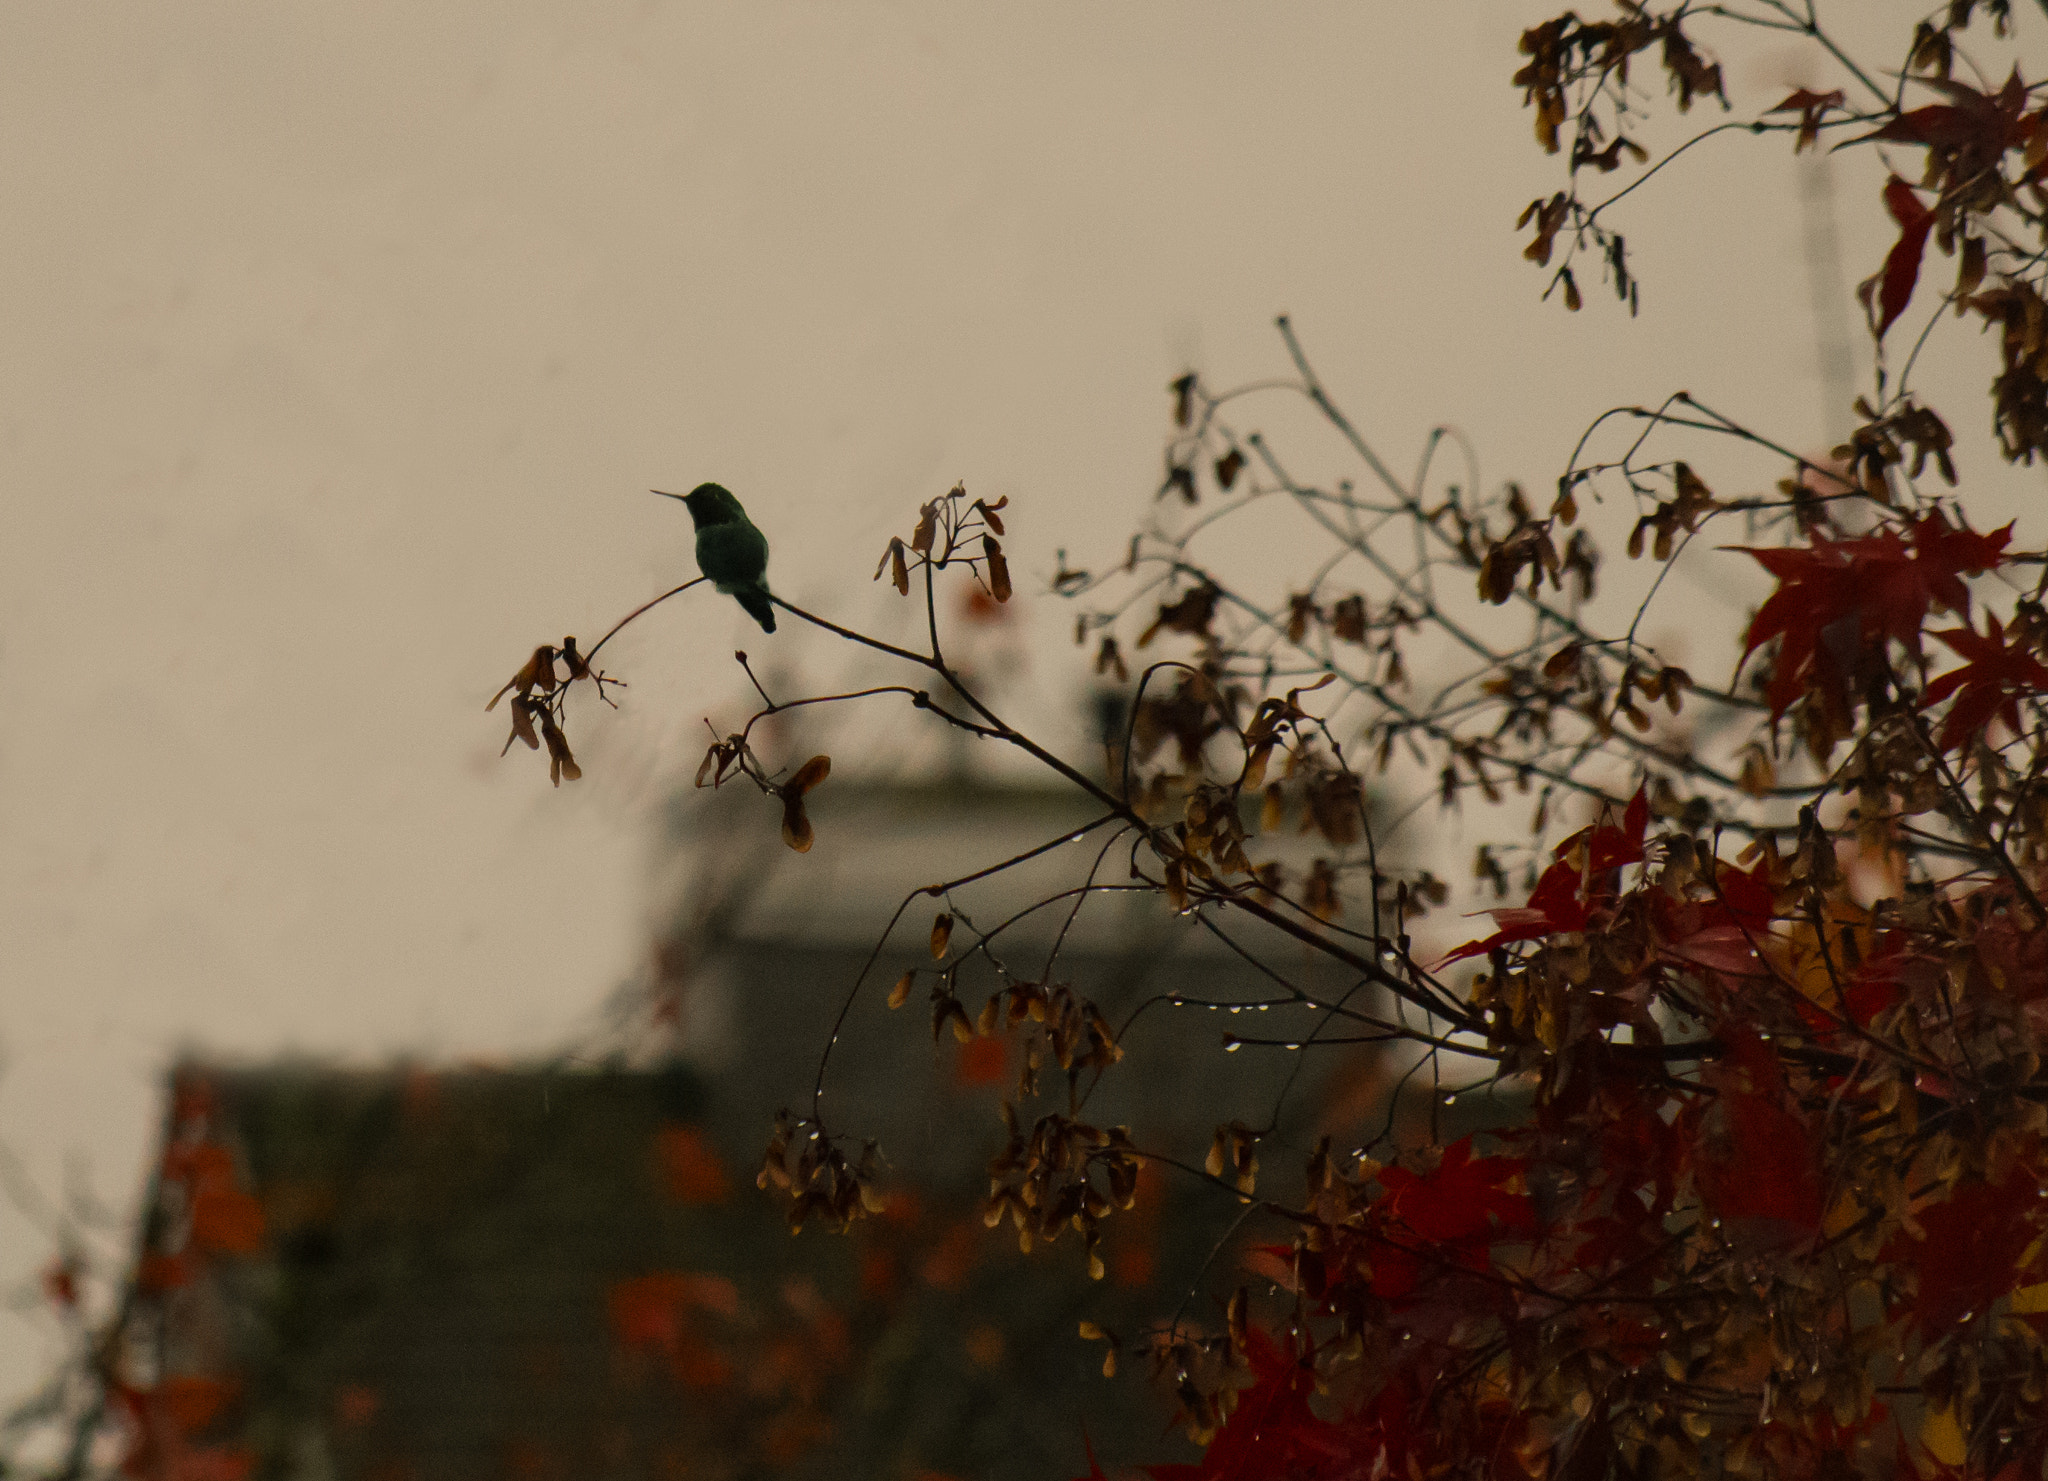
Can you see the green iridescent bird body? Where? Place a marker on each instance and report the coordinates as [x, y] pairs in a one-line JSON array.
[[730, 551]]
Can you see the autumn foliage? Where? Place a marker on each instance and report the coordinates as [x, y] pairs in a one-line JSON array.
[[1761, 1011]]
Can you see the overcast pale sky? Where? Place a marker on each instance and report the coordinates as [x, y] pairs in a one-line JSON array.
[[342, 342]]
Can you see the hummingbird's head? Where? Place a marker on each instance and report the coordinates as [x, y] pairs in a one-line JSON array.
[[712, 504]]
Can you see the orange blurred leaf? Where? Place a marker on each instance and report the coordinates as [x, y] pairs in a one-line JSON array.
[[981, 1062], [226, 1221], [690, 1167], [190, 1404]]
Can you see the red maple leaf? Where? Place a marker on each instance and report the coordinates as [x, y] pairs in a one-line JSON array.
[[1461, 1198], [1721, 934], [1558, 903], [1973, 1247], [1273, 1435], [1990, 123], [1553, 906], [1988, 686], [1902, 264], [1762, 1169], [1608, 847], [1837, 599], [1878, 982]]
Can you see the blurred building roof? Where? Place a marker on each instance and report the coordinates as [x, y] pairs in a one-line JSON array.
[[566, 1270], [415, 1276]]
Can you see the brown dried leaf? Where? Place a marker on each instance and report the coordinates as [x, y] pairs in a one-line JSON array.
[[1564, 661], [1177, 885], [1970, 273], [1110, 659], [1347, 619], [998, 568], [538, 672], [796, 824], [1273, 809], [948, 1010], [1809, 105], [561, 765], [898, 569], [523, 711], [809, 775], [1255, 762], [1319, 893], [1301, 611], [1190, 614]]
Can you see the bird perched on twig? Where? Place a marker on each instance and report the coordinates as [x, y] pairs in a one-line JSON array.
[[730, 551]]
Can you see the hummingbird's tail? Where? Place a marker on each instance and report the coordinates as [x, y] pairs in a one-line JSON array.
[[755, 600]]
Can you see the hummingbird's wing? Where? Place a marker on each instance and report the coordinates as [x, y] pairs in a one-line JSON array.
[[732, 555]]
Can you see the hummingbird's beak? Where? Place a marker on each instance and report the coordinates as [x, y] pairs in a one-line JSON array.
[[680, 499]]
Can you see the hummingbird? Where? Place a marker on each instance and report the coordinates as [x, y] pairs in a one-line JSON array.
[[730, 551]]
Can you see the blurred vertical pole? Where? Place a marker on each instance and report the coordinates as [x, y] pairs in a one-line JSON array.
[[1832, 329]]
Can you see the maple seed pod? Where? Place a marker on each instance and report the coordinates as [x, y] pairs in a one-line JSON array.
[[900, 993], [998, 568], [942, 933]]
